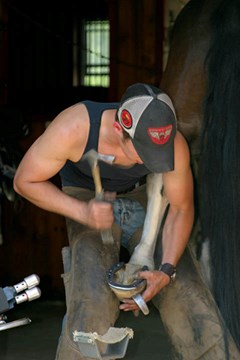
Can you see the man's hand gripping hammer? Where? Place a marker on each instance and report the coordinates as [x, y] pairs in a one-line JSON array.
[[92, 156]]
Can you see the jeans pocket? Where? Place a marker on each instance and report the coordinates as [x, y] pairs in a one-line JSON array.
[[129, 215]]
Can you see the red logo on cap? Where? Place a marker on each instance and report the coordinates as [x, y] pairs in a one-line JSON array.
[[126, 119], [160, 135]]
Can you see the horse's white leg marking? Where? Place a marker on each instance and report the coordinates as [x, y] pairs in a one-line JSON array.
[[144, 251]]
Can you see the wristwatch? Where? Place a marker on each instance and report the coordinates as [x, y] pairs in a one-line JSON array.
[[169, 270]]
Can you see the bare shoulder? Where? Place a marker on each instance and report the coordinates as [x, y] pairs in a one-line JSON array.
[[181, 152], [69, 131], [182, 167], [73, 118], [179, 182]]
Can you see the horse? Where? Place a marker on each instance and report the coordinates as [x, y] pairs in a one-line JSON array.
[[202, 77]]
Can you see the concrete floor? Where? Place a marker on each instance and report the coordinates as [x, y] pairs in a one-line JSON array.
[[38, 340]]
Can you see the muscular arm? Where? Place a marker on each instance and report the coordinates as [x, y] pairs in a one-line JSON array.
[[178, 186], [65, 138], [179, 191]]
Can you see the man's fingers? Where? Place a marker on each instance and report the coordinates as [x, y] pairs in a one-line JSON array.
[[100, 214], [134, 306]]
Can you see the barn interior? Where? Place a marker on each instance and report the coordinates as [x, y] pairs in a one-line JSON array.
[[53, 55]]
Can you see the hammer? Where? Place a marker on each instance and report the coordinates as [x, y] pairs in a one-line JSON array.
[[92, 156]]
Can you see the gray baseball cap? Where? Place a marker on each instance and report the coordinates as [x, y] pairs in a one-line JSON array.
[[147, 114]]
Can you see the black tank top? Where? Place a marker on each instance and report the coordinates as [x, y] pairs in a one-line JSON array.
[[113, 177]]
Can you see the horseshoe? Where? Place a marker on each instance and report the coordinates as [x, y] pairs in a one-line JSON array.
[[132, 290]]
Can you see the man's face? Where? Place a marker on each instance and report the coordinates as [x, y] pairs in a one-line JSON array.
[[131, 156], [130, 152]]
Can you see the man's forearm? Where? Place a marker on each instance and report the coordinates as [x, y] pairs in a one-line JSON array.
[[47, 196], [176, 233]]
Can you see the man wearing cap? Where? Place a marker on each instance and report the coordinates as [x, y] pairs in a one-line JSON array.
[[141, 134]]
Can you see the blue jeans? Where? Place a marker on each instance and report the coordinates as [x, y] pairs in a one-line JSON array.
[[129, 215]]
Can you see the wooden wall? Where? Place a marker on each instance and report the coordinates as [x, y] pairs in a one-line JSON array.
[[136, 43], [3, 52], [32, 238]]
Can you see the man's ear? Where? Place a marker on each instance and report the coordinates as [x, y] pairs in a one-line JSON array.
[[117, 127]]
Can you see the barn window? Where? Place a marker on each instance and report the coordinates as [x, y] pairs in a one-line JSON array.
[[91, 53]]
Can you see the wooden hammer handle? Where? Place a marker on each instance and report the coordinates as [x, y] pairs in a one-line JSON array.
[[97, 180], [107, 236]]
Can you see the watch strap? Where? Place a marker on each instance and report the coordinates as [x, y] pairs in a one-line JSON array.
[[169, 270]]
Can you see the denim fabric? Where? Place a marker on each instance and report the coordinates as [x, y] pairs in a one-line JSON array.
[[129, 215]]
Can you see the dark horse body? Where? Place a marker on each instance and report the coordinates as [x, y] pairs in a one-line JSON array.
[[202, 77]]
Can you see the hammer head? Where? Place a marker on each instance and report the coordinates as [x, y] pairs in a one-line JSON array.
[[92, 156]]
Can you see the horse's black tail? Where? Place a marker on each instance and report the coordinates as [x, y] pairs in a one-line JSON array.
[[220, 163]]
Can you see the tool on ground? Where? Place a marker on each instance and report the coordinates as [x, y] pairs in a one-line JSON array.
[[112, 345], [26, 290], [92, 156]]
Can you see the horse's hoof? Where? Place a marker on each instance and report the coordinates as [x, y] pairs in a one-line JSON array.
[[123, 280]]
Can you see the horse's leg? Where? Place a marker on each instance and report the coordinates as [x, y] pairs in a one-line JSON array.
[[191, 317], [91, 305], [143, 252], [156, 206]]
